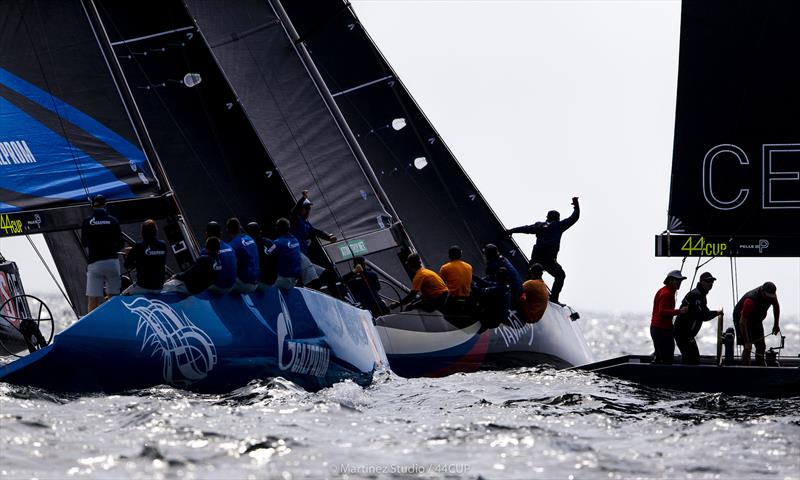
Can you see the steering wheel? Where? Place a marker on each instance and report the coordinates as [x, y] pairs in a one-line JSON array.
[[37, 331]]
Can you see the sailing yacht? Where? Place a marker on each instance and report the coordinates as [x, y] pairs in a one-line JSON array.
[[234, 109]]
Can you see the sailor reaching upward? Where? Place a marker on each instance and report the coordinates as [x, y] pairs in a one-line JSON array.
[[548, 243]]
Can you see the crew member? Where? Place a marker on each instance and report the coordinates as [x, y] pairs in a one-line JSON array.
[[203, 273], [548, 242], [687, 325], [102, 237], [661, 321], [364, 285], [267, 262], [748, 316], [288, 256], [494, 262], [149, 258], [535, 295], [305, 233], [224, 262], [427, 284], [457, 275], [247, 267]]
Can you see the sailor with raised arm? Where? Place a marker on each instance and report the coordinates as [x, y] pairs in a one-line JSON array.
[[548, 242]]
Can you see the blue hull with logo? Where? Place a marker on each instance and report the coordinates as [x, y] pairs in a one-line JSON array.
[[207, 343]]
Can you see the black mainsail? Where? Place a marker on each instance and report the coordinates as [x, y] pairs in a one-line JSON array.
[[433, 196], [736, 159]]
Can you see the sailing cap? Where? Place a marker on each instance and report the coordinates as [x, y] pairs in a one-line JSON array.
[[707, 276], [98, 200], [553, 215], [769, 289], [307, 202], [675, 274]]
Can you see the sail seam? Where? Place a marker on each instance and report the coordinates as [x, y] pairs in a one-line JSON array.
[[154, 35]]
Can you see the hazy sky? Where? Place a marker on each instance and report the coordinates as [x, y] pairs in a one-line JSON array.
[[543, 100]]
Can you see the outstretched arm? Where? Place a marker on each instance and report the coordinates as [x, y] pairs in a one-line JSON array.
[[576, 214], [530, 229]]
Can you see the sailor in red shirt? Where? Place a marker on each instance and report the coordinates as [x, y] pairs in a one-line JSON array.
[[661, 321], [748, 315]]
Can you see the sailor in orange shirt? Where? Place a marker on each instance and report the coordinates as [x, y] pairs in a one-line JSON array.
[[427, 284], [535, 295], [457, 275]]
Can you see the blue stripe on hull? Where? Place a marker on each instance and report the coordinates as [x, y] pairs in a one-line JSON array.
[[207, 343]]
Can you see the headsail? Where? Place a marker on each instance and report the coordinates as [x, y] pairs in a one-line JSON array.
[[437, 202], [736, 160], [65, 133]]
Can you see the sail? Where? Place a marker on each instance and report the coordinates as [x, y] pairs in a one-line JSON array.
[[290, 115], [65, 134], [433, 196], [215, 162], [736, 158]]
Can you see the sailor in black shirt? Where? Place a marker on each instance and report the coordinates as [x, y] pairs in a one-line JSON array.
[[149, 257], [201, 274], [102, 237]]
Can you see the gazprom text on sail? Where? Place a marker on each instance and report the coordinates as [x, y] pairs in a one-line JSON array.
[[15, 153]]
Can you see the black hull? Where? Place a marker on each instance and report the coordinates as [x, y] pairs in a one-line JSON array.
[[767, 382]]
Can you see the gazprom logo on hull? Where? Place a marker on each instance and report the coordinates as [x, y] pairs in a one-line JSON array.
[[304, 358], [16, 153]]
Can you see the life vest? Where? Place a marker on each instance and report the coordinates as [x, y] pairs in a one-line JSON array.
[[760, 305]]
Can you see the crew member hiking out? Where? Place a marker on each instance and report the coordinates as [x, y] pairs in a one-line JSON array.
[[201, 275], [288, 256], [149, 258], [548, 243], [224, 262], [247, 267], [748, 317], [427, 284], [687, 324], [495, 262], [102, 237], [267, 262], [457, 275], [533, 301], [661, 320]]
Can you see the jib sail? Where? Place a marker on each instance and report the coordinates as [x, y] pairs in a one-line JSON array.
[[736, 159]]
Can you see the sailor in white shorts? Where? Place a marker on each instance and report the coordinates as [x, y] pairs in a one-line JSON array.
[[102, 237]]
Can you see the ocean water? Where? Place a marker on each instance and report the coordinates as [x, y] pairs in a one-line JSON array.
[[518, 424]]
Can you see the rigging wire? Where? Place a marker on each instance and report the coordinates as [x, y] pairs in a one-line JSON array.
[[49, 271]]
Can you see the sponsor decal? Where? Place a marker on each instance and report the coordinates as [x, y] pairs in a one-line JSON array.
[[303, 358], [187, 351], [701, 247], [94, 222], [16, 153], [154, 253], [762, 245], [353, 248], [515, 332], [36, 222], [10, 225]]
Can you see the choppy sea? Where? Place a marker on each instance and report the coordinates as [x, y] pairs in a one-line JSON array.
[[526, 423]]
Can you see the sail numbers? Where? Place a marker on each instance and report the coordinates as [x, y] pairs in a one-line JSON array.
[[702, 248], [10, 226]]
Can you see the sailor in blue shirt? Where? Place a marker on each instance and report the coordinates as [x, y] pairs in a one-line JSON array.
[[494, 262], [302, 229], [246, 250], [224, 263], [287, 250]]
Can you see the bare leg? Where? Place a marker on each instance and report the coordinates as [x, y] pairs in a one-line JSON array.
[[93, 302]]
